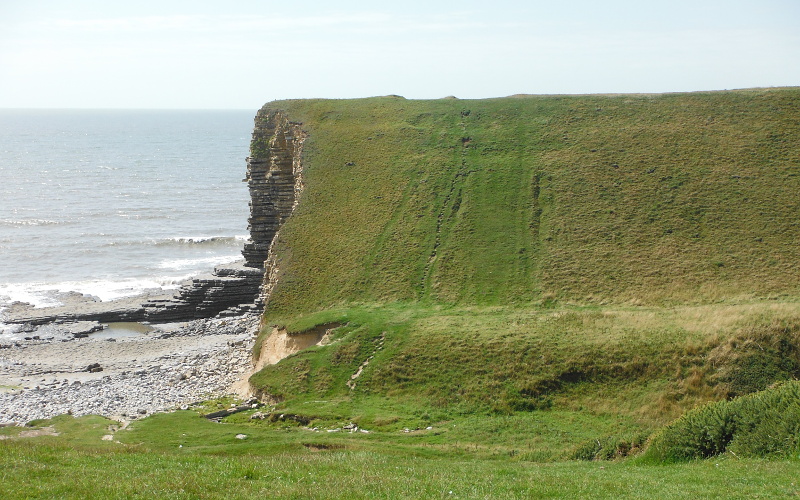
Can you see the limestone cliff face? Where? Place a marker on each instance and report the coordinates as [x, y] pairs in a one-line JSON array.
[[275, 179]]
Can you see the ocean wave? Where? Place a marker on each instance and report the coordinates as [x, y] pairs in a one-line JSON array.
[[31, 293], [203, 240], [187, 241], [30, 222], [198, 263], [51, 294], [139, 216]]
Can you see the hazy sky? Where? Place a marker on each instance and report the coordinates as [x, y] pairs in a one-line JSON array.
[[241, 54]]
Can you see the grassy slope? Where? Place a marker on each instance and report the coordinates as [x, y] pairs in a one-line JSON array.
[[594, 254], [654, 199]]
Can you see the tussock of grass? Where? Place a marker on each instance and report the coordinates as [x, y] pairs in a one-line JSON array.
[[762, 352]]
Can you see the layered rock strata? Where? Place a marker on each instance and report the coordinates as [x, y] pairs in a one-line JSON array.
[[76, 311], [275, 180], [230, 290], [274, 177]]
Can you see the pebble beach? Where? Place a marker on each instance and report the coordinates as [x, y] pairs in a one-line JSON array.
[[124, 377]]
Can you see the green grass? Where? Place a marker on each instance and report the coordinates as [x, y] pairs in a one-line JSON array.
[[472, 366], [601, 263], [656, 200], [643, 366], [212, 463]]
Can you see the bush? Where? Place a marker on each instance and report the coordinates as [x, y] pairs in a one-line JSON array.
[[764, 424]]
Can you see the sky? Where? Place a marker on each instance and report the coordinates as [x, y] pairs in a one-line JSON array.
[[240, 54]]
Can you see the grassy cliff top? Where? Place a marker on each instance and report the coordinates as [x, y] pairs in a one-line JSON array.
[[649, 199]]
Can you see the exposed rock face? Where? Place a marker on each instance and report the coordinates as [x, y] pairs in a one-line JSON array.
[[275, 180], [274, 176], [85, 310], [231, 290]]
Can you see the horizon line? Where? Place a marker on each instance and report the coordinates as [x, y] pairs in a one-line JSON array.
[[517, 95]]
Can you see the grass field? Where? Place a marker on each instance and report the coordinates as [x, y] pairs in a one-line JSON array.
[[540, 383], [657, 200], [620, 257], [181, 455]]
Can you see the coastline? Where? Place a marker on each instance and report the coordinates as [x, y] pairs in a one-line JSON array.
[[230, 290], [52, 361], [171, 350], [142, 250], [167, 368], [179, 348]]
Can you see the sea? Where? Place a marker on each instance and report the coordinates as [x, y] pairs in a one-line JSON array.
[[114, 203]]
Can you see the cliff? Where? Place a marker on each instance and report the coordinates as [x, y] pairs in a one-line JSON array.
[[634, 255], [275, 180], [651, 199]]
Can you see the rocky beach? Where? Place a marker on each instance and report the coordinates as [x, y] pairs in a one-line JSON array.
[[124, 376]]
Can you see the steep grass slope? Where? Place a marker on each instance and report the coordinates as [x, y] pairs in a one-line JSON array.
[[655, 199], [540, 271]]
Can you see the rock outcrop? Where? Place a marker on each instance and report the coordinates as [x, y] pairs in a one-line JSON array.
[[231, 290], [275, 180], [274, 176]]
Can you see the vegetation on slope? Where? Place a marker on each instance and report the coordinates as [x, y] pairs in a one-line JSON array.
[[622, 372], [762, 425], [648, 199], [624, 257]]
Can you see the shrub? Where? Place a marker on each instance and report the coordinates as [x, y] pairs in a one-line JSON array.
[[765, 423]]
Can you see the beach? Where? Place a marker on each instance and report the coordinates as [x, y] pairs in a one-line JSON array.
[[124, 376]]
